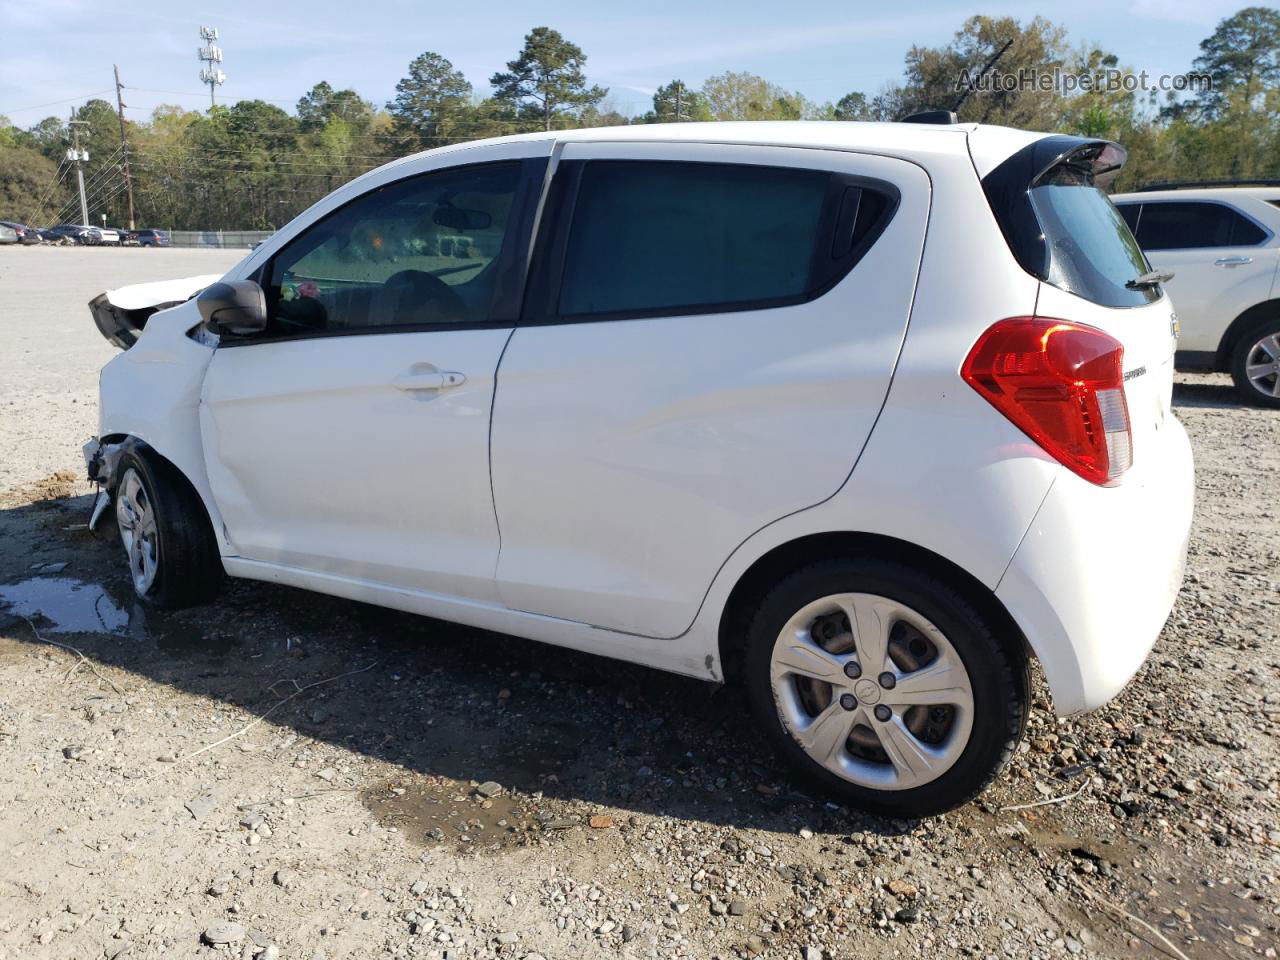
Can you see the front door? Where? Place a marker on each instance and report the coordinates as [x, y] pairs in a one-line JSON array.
[[352, 438], [708, 337]]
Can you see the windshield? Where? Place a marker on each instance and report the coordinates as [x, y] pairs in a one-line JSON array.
[[1092, 252]]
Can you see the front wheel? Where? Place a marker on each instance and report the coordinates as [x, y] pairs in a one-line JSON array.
[[173, 558], [1255, 364], [883, 687]]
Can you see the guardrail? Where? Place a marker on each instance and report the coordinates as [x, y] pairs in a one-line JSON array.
[[234, 239]]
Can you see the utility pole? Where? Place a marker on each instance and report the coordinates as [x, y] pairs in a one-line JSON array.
[[679, 93], [210, 54], [124, 144], [79, 158]]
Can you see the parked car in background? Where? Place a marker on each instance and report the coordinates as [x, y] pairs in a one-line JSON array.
[[75, 233], [1221, 242], [110, 236], [8, 234], [24, 233], [149, 237], [861, 416], [128, 238]]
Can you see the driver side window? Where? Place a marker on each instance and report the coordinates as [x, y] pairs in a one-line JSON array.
[[423, 251]]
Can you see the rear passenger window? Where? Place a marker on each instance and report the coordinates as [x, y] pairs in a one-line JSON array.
[[1178, 225], [651, 237]]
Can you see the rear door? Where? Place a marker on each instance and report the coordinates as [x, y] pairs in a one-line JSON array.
[[708, 338], [1219, 260]]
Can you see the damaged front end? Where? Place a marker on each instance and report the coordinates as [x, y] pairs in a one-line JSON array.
[[121, 314], [100, 461]]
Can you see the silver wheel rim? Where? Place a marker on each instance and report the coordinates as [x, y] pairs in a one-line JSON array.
[[1262, 365], [137, 521], [872, 691]]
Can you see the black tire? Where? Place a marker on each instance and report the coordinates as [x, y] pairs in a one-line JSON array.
[[998, 675], [1240, 358], [188, 567]]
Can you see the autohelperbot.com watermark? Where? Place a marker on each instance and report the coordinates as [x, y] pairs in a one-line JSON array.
[[1067, 82]]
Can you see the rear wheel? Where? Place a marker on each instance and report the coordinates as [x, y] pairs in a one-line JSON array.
[[1255, 364], [884, 687], [164, 529]]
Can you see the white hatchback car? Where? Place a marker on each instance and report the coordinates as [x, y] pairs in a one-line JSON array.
[[1221, 242], [863, 416]]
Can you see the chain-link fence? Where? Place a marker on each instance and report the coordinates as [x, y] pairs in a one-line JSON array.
[[235, 239]]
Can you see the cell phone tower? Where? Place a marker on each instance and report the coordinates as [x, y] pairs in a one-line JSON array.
[[211, 55]]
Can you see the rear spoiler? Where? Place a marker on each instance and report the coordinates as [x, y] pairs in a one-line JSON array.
[[1008, 188]]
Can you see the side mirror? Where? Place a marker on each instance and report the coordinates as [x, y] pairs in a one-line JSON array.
[[237, 306]]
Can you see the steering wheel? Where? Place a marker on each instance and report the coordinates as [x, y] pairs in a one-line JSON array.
[[420, 297]]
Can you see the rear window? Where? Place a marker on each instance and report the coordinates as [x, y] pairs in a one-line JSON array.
[[1188, 225], [1092, 251], [651, 238]]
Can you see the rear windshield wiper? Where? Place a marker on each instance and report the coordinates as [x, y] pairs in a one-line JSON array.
[[1152, 279]]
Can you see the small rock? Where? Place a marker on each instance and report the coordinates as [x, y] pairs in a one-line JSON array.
[[507, 937], [285, 878], [628, 933], [223, 932], [328, 774], [490, 788], [907, 915], [219, 886], [806, 833], [270, 952], [75, 751], [811, 953], [902, 888], [601, 821], [201, 806], [737, 908]]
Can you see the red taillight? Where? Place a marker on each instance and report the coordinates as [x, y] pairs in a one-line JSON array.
[[1062, 384]]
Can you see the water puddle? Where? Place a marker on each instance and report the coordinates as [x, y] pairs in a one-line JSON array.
[[446, 811], [67, 605]]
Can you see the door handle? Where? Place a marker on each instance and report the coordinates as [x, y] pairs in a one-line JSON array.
[[1232, 261], [433, 380]]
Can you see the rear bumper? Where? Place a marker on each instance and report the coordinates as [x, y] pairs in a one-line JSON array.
[[1094, 579]]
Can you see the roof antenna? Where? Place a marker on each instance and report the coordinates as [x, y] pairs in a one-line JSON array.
[[987, 66]]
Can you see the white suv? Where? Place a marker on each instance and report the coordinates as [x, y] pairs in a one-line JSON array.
[[862, 416], [1222, 245]]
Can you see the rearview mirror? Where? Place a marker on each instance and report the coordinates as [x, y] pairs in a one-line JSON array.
[[235, 306]]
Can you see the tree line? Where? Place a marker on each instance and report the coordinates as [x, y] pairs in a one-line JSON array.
[[254, 165]]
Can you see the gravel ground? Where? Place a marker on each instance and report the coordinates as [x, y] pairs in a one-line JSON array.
[[284, 774]]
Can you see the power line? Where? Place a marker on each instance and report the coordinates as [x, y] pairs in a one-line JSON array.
[[56, 103]]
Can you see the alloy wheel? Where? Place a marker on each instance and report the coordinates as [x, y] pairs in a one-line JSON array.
[[872, 690], [1262, 365], [136, 518]]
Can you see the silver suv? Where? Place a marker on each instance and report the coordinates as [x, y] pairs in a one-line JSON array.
[[1222, 243]]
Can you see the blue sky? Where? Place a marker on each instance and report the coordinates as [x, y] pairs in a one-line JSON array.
[[60, 50]]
